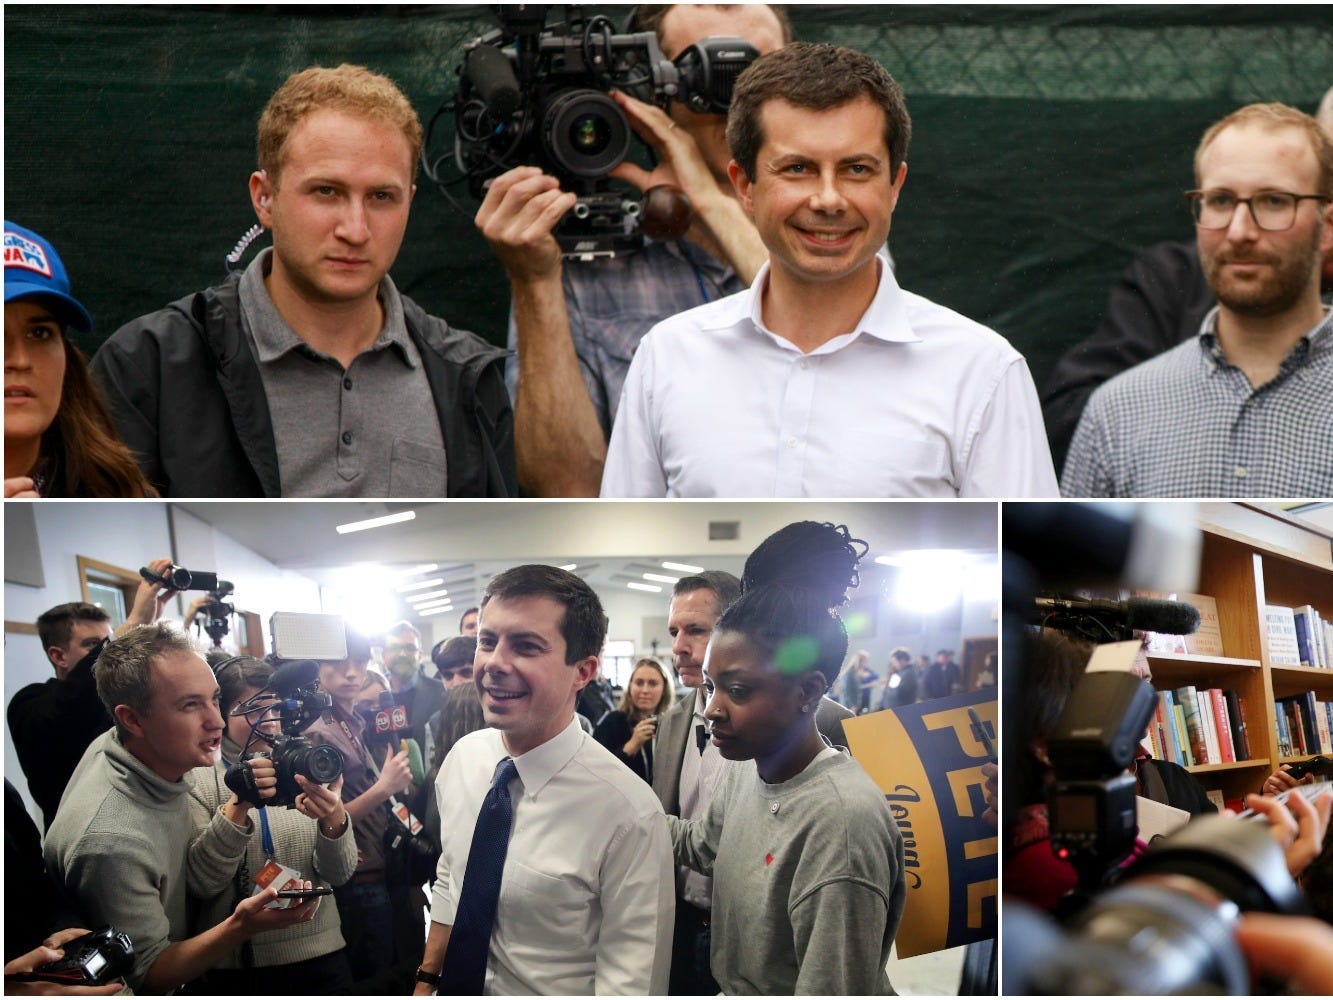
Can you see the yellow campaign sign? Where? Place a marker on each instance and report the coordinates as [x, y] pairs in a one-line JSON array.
[[927, 760]]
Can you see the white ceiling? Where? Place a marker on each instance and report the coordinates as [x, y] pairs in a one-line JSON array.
[[611, 542]]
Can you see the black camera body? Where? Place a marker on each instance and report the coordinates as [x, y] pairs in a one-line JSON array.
[[529, 95], [216, 610], [95, 959], [300, 704]]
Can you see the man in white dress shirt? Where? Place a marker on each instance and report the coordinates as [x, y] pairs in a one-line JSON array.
[[587, 894], [825, 378]]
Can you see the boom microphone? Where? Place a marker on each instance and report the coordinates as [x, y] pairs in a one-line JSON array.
[[490, 72], [1087, 616]]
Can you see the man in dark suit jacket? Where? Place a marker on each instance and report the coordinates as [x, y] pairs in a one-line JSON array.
[[688, 768]]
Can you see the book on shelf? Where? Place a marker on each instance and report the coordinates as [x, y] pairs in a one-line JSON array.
[[1281, 625], [1205, 641], [1222, 723], [1307, 645], [1284, 748], [1187, 698], [1210, 740], [1239, 737]]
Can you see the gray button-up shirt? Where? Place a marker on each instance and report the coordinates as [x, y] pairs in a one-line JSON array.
[[1189, 424], [370, 430]]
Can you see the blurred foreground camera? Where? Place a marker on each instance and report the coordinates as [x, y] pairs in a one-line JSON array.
[[95, 959]]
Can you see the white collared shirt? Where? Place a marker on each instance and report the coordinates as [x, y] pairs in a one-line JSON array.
[[700, 776], [917, 401], [587, 900]]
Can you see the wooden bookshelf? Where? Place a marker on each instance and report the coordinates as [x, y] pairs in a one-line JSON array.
[[1252, 558]]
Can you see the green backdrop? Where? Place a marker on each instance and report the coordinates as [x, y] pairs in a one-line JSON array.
[[1051, 142]]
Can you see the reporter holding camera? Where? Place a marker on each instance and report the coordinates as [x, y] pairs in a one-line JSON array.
[[575, 325], [313, 841], [123, 842], [628, 731]]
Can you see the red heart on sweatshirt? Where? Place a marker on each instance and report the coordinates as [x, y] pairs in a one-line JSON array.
[[768, 860]]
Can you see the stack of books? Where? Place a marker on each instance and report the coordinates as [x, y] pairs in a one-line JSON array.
[[1192, 727], [1304, 725]]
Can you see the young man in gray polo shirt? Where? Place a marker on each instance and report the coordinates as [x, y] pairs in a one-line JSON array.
[[312, 375]]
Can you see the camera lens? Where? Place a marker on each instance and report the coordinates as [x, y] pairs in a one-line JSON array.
[[322, 764], [179, 577], [585, 133]]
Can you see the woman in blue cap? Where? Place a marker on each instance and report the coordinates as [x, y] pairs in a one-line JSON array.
[[59, 440]]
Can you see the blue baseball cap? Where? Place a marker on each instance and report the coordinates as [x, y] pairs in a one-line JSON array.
[[33, 269]]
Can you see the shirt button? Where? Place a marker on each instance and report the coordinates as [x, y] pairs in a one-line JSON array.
[[791, 442], [804, 364], [347, 437], [347, 383], [773, 808], [1242, 472]]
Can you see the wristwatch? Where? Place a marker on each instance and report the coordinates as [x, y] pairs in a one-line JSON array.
[[429, 978]]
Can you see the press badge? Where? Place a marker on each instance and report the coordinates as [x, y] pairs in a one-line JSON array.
[[280, 877]]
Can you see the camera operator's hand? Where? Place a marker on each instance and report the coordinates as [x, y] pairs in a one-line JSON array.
[[265, 778], [149, 599], [1297, 951], [22, 488], [643, 733], [324, 805], [50, 950], [196, 608], [254, 916], [517, 215], [396, 772], [1298, 830], [682, 165], [1280, 781]]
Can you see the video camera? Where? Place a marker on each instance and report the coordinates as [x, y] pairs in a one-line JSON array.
[[300, 641], [529, 94], [215, 608]]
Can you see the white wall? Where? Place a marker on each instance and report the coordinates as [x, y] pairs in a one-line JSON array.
[[129, 535]]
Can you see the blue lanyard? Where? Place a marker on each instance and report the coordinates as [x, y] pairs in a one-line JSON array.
[[265, 836]]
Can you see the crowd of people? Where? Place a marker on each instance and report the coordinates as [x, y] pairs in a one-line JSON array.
[[906, 681], [527, 849], [766, 352]]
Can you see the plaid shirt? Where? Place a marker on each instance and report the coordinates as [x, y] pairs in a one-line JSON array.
[[1189, 424], [613, 302]]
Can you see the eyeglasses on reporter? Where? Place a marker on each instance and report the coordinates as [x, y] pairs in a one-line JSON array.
[[1272, 211]]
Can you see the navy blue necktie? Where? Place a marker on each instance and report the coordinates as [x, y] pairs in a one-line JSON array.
[[464, 971]]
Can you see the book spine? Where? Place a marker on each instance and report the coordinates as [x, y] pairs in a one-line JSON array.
[[1223, 725], [1210, 740], [1193, 724], [1182, 737], [1304, 636], [1321, 724], [1283, 733], [1166, 707], [1309, 729], [1239, 739]]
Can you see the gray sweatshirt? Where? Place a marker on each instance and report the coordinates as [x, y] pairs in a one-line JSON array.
[[807, 880], [298, 844], [125, 845]]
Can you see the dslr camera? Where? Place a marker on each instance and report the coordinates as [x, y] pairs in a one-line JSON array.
[[529, 94], [293, 695]]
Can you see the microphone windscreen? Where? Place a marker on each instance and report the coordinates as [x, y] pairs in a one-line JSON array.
[[290, 676], [1167, 617], [492, 74]]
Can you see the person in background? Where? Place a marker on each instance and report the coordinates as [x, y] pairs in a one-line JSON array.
[[313, 840], [467, 625], [901, 683], [819, 914], [628, 731], [59, 439]]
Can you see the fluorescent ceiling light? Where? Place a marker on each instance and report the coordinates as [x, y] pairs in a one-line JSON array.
[[682, 567], [424, 568], [418, 598], [660, 578], [376, 522], [433, 605], [644, 586], [569, 567], [421, 586], [435, 611]]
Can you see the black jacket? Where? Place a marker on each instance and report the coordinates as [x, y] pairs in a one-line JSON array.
[[185, 393]]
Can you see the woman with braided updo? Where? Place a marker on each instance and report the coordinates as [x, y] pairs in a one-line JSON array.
[[806, 859]]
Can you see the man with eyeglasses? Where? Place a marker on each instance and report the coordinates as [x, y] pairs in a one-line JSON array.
[[1244, 409], [419, 694]]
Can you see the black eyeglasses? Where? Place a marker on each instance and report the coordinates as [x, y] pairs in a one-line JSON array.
[[1272, 211]]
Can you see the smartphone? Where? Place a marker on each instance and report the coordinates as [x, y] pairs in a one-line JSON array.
[[319, 890]]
